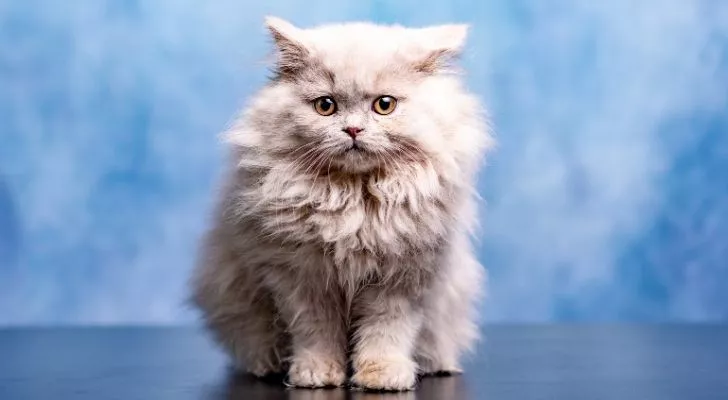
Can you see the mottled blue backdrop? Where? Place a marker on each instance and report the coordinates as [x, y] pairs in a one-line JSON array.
[[607, 198]]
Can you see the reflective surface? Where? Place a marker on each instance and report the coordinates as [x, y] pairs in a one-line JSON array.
[[514, 362]]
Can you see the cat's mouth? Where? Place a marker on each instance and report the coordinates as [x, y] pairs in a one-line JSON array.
[[356, 147], [356, 158]]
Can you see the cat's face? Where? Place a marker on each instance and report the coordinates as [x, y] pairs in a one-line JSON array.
[[359, 97]]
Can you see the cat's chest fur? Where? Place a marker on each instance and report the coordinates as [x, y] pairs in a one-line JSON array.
[[367, 215]]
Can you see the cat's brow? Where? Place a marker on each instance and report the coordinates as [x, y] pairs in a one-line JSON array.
[[330, 77], [319, 72]]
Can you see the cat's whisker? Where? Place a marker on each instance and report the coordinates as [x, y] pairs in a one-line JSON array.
[[306, 157], [318, 172], [319, 168], [410, 153], [328, 171]]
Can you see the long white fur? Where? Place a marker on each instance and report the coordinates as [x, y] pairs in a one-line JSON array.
[[318, 255]]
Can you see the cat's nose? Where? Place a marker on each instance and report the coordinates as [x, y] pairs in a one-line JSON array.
[[352, 131]]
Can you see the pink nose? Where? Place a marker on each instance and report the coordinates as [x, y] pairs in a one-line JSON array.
[[352, 131]]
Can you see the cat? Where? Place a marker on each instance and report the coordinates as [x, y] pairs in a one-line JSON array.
[[343, 230]]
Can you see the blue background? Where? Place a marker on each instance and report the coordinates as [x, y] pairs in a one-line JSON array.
[[607, 198]]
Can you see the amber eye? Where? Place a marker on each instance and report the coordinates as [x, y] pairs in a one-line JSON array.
[[384, 105], [325, 105]]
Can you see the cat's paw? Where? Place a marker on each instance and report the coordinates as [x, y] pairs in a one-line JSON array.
[[385, 374], [442, 371], [439, 368], [316, 371]]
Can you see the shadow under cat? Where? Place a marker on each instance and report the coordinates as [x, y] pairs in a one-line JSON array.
[[239, 386]]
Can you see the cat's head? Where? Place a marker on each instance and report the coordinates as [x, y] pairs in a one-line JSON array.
[[357, 97]]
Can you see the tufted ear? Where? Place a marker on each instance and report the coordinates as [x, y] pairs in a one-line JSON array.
[[442, 44], [292, 53]]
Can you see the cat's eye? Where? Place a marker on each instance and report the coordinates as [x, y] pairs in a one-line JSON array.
[[384, 105], [325, 105]]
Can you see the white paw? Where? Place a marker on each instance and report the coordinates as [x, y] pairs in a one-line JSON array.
[[430, 368], [385, 374], [313, 371]]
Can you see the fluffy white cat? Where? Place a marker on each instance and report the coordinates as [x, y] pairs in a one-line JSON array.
[[342, 233]]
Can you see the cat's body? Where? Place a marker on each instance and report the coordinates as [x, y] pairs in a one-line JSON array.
[[343, 228]]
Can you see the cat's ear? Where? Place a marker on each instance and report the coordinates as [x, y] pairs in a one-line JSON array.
[[292, 54], [442, 44]]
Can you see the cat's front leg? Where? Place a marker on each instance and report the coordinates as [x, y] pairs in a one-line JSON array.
[[318, 335], [387, 326]]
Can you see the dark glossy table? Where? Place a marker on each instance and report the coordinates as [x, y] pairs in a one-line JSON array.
[[514, 362]]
